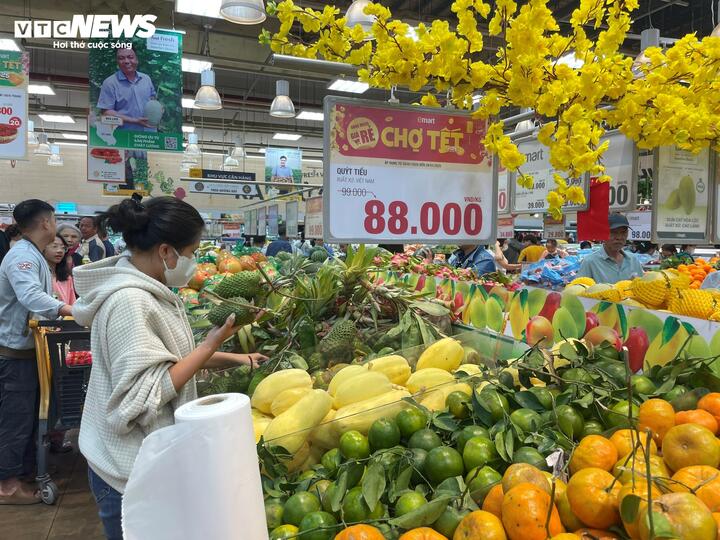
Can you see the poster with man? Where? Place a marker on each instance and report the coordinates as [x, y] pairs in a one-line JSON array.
[[284, 166], [136, 89]]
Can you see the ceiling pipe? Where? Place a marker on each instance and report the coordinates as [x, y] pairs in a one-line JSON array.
[[315, 66]]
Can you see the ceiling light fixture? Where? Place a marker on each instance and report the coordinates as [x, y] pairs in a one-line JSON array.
[[571, 60], [55, 159], [75, 136], [287, 137], [311, 115], [207, 97], [192, 149], [32, 136], [650, 37], [206, 8], [43, 148], [188, 103], [9, 45], [57, 118], [41, 89], [243, 11], [282, 106], [349, 86], [195, 65], [230, 162], [355, 15], [188, 129]]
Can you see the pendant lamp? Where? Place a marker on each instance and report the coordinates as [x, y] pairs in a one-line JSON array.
[[207, 97], [243, 11], [55, 159], [356, 15], [43, 148], [282, 106]]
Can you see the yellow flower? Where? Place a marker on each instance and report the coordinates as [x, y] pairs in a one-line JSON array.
[[575, 195], [555, 199]]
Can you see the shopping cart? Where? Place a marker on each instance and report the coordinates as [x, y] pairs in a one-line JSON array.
[[64, 363]]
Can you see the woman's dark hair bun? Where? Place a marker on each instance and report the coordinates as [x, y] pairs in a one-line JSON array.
[[130, 216], [160, 220]]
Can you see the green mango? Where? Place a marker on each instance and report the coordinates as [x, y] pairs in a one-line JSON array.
[[494, 315], [564, 326], [536, 301]]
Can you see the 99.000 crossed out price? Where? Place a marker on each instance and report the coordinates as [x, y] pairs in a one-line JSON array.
[[451, 218]]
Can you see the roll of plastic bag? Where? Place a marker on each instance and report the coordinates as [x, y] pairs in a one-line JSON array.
[[198, 479]]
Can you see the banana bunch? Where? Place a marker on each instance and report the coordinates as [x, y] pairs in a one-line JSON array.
[[246, 339]]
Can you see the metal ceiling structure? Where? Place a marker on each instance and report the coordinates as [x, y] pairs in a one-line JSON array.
[[245, 74]]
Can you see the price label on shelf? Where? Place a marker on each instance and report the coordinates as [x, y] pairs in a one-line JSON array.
[[406, 174], [620, 160], [640, 226], [537, 165]]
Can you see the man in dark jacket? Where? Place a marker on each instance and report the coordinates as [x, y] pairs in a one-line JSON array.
[[514, 248], [91, 247]]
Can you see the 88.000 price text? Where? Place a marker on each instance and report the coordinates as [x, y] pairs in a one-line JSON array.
[[450, 219]]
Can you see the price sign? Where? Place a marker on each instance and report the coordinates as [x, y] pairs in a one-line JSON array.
[[538, 166], [621, 164], [681, 190], [399, 174], [503, 196], [553, 228], [505, 227], [314, 218], [14, 75], [640, 226]]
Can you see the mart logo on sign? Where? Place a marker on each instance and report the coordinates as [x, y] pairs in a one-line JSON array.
[[89, 26]]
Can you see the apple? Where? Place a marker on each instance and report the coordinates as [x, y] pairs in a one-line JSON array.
[[591, 321], [539, 330], [637, 344], [552, 303], [599, 334]]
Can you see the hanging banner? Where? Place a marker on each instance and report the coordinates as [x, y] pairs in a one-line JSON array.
[[537, 165], [312, 174], [272, 220], [247, 216], [291, 218], [398, 174], [640, 226], [106, 165], [553, 228], [135, 93], [262, 221], [239, 184], [681, 189], [503, 199], [14, 77], [283, 165], [314, 218], [252, 229], [505, 227], [621, 164]]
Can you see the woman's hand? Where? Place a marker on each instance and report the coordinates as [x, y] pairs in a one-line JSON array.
[[252, 359], [219, 334]]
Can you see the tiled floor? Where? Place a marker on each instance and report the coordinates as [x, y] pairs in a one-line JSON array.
[[72, 517]]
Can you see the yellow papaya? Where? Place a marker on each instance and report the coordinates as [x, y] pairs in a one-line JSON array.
[[360, 387], [360, 416], [324, 436], [346, 373], [427, 378], [292, 428], [286, 399], [446, 354], [273, 384], [395, 367]]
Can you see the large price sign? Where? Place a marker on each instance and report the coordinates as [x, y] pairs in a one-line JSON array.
[[14, 75], [621, 164], [640, 226], [503, 198], [397, 174], [537, 165]]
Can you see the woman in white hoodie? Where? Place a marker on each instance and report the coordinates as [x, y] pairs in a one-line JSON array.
[[144, 354]]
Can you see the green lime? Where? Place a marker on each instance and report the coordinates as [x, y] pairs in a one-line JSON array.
[[426, 439], [494, 402], [543, 395], [467, 433], [319, 488], [273, 513], [642, 385], [569, 421], [412, 500], [318, 526], [355, 509], [284, 532], [443, 462], [449, 521], [480, 481], [354, 445], [527, 454], [617, 416], [675, 392], [526, 419], [418, 461], [593, 427], [331, 460], [458, 403], [577, 375], [384, 433], [478, 452], [298, 505], [411, 420]]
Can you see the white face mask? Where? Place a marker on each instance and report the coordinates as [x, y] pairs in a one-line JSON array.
[[182, 273]]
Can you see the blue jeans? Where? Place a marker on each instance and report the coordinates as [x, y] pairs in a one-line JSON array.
[[109, 503]]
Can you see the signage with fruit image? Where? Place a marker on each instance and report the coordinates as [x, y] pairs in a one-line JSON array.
[[682, 195], [14, 73], [106, 165]]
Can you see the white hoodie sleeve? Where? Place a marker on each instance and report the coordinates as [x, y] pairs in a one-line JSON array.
[[139, 361]]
